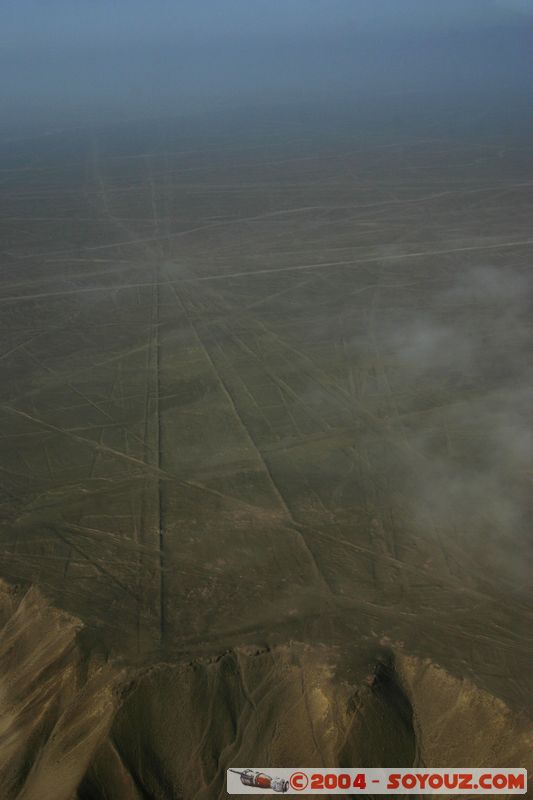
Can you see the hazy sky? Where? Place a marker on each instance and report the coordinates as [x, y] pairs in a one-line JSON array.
[[142, 56]]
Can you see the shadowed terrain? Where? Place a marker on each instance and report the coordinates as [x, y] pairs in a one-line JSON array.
[[171, 731]]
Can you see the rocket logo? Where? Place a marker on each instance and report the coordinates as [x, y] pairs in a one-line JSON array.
[[260, 780]]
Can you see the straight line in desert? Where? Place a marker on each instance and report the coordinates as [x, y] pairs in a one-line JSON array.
[[257, 451], [368, 260], [269, 271]]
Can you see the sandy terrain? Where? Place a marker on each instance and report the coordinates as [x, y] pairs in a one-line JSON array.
[[266, 434]]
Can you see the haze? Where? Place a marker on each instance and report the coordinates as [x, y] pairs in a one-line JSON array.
[[65, 61]]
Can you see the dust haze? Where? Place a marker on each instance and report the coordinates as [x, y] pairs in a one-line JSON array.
[[265, 414]]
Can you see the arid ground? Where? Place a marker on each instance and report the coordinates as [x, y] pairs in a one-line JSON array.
[[266, 424]]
